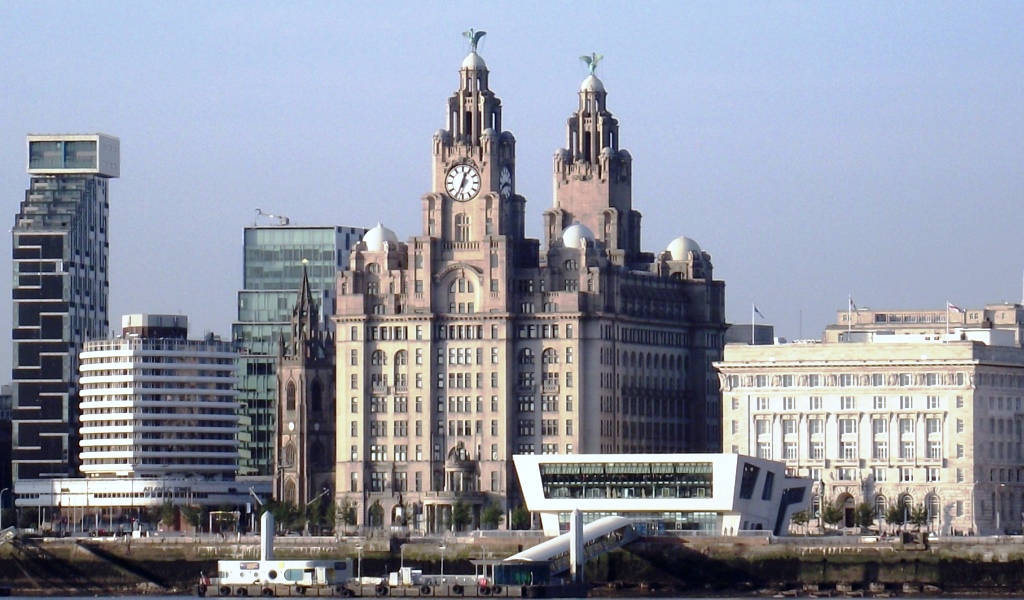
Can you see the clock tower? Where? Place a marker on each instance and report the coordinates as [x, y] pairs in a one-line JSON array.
[[594, 178], [473, 190]]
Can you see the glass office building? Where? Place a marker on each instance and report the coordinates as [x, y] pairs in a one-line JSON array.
[[273, 263]]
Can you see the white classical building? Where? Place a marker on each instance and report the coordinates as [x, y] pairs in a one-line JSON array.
[[894, 417], [159, 423], [722, 494]]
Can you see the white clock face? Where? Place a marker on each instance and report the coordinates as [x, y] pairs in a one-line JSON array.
[[505, 182], [291, 426], [462, 182]]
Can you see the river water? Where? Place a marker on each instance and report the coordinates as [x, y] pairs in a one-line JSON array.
[[624, 595]]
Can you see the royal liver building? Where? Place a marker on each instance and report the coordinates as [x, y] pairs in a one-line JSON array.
[[469, 343]]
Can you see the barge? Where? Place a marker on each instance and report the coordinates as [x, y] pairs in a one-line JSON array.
[[268, 577]]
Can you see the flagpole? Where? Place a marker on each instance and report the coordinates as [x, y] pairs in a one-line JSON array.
[[849, 317], [753, 322]]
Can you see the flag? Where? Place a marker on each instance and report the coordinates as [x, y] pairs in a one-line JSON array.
[[953, 307], [757, 312], [853, 305]]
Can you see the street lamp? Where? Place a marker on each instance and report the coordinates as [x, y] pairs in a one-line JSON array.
[[359, 564], [401, 554], [442, 547], [2, 507]]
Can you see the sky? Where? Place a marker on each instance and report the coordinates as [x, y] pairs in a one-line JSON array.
[[817, 150]]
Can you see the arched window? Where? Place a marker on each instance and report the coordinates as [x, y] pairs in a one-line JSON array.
[[379, 309], [550, 356], [462, 296], [933, 509], [378, 358], [289, 456], [290, 396], [881, 507], [401, 358], [373, 268], [526, 356], [316, 397]]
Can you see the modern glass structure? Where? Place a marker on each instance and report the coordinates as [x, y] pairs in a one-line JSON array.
[[273, 262], [59, 294], [724, 494]]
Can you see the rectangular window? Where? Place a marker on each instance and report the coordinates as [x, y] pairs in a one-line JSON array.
[[847, 426], [848, 450], [846, 403], [815, 402], [762, 403], [764, 450], [959, 450], [880, 450], [933, 402], [906, 474], [791, 451], [906, 402], [789, 403], [817, 451], [879, 403], [907, 450], [815, 426], [878, 473]]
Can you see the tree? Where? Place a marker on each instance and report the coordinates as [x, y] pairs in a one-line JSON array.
[[191, 514], [461, 515], [896, 514], [491, 516], [521, 518], [286, 515], [347, 513], [831, 514], [168, 514], [864, 514], [800, 519], [919, 516]]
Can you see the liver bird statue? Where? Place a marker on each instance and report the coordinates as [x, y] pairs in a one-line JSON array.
[[474, 38], [592, 60]]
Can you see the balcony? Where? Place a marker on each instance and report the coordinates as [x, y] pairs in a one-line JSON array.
[[453, 496]]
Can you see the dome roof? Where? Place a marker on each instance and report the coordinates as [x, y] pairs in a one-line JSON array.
[[489, 132], [576, 232], [681, 247], [473, 61], [592, 84], [378, 236]]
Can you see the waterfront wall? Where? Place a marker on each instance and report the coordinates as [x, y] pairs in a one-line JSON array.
[[695, 565]]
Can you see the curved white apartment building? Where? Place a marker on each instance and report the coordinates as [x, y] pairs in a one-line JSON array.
[[156, 404]]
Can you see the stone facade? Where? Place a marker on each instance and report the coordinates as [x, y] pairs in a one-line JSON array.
[[937, 424], [471, 343]]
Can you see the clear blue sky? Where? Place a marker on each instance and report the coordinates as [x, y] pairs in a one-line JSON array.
[[816, 150]]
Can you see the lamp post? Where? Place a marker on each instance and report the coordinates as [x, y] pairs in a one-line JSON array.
[[401, 555], [359, 564], [442, 546], [2, 507], [999, 507]]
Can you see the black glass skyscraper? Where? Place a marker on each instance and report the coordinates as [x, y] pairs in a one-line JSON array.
[[59, 292]]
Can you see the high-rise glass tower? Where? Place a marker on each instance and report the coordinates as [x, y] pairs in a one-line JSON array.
[[59, 293], [273, 262]]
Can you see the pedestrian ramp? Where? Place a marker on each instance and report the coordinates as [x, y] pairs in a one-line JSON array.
[[601, 536]]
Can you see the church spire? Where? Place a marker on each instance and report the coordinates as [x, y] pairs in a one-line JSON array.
[[305, 321]]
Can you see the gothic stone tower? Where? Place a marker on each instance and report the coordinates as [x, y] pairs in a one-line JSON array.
[[306, 440]]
